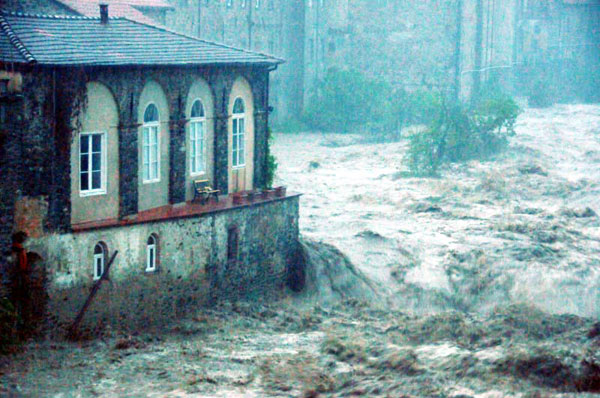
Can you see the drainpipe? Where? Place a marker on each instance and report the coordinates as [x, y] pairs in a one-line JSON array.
[[478, 51], [458, 49]]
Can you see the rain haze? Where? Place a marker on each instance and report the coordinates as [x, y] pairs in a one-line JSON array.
[[300, 198]]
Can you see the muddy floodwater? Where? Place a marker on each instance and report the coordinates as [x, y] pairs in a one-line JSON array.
[[483, 283]]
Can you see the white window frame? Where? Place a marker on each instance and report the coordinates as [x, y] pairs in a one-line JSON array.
[[99, 257], [152, 248], [151, 126], [196, 122], [238, 137], [103, 158]]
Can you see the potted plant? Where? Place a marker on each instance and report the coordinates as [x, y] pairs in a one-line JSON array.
[[250, 195], [238, 198]]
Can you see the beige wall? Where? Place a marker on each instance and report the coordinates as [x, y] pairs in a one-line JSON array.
[[100, 115], [154, 194], [241, 178], [200, 90]]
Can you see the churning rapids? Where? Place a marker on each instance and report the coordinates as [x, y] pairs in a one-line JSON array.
[[520, 228], [483, 283]]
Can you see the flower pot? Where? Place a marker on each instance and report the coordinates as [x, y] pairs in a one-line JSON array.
[[280, 191], [238, 198], [266, 193], [251, 195]]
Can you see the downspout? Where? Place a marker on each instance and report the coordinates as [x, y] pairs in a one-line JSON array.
[[250, 5], [458, 49], [199, 19], [478, 52]]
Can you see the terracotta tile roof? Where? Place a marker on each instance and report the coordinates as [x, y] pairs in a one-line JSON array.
[[90, 8], [74, 40]]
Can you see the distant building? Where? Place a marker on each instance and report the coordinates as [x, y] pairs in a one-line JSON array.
[[108, 126]]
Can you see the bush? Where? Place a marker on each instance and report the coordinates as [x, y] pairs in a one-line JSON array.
[[290, 126], [271, 163], [348, 101], [8, 326], [459, 135]]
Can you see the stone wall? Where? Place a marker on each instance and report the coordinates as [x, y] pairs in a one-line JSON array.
[[193, 268]]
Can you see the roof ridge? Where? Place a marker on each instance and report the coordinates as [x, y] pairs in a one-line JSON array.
[[14, 40], [48, 16], [280, 60]]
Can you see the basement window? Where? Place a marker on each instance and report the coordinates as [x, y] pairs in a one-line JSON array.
[[100, 251], [151, 253]]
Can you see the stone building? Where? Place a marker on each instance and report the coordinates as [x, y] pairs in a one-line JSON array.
[[106, 126]]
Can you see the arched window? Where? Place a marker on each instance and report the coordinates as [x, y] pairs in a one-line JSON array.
[[197, 139], [151, 253], [239, 132], [151, 144], [99, 260]]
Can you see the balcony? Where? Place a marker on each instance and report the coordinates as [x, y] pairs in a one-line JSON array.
[[184, 210]]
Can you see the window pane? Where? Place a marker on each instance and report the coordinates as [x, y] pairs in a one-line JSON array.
[[96, 162], [146, 135], [154, 135], [84, 163], [151, 258], [200, 130], [96, 143], [154, 170], [242, 158], [151, 114], [238, 106], [84, 183], [197, 109], [146, 171], [84, 144], [96, 180], [146, 154]]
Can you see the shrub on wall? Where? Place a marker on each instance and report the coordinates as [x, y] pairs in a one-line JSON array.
[[461, 134], [271, 162], [8, 326]]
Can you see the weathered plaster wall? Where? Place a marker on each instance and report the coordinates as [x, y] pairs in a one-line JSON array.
[[200, 90], [193, 267], [242, 178], [153, 194], [100, 115]]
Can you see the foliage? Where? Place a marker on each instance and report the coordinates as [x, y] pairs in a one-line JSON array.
[[8, 323], [541, 94], [290, 126], [461, 134], [347, 100], [271, 163]]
